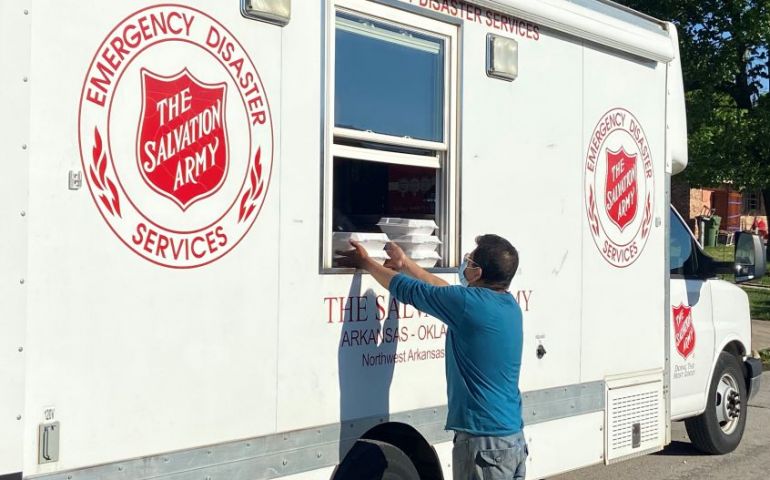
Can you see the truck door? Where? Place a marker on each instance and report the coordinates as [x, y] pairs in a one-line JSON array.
[[692, 327]]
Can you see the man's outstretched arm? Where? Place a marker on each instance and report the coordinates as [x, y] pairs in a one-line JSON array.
[[399, 261], [439, 300]]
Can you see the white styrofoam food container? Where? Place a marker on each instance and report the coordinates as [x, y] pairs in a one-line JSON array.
[[426, 259], [376, 256], [373, 243], [416, 244], [398, 227]]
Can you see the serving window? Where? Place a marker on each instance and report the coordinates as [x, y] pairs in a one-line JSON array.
[[390, 126]]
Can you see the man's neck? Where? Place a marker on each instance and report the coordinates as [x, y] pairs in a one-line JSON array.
[[490, 286]]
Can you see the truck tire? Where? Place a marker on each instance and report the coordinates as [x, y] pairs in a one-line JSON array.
[[719, 429], [376, 460]]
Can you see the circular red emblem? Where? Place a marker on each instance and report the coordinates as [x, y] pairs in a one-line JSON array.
[[176, 136], [619, 187]]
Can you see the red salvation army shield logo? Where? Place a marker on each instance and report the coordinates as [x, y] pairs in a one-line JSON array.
[[182, 141], [621, 197], [176, 136], [619, 183], [684, 331]]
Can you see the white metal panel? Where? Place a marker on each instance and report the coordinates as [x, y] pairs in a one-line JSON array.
[[567, 17], [330, 369], [521, 143], [14, 136], [305, 380], [635, 419], [623, 290], [676, 115], [136, 358], [553, 447], [731, 309], [691, 365], [731, 312]]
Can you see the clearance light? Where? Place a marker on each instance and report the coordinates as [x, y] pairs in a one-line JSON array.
[[272, 11], [502, 57]]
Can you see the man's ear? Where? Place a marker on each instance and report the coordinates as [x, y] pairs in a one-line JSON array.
[[473, 274]]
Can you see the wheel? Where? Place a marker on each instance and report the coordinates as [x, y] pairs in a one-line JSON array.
[[719, 429], [376, 460]]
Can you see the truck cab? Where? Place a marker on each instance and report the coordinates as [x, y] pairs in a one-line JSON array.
[[712, 373]]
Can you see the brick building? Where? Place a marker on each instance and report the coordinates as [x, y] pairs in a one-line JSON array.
[[737, 209]]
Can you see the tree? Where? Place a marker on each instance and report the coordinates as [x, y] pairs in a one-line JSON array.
[[724, 50]]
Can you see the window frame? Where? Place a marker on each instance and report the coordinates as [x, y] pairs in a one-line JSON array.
[[747, 198], [693, 258], [704, 267], [446, 160]]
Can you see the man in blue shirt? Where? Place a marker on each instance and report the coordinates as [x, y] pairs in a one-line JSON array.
[[483, 351]]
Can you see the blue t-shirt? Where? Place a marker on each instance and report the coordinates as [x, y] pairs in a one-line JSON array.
[[483, 353]]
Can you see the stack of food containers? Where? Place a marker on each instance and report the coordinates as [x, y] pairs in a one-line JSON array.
[[373, 243], [414, 237]]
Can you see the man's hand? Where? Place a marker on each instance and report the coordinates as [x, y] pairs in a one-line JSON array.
[[400, 262], [356, 258], [359, 258], [398, 258]]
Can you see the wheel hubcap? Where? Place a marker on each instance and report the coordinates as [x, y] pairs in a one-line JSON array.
[[728, 403]]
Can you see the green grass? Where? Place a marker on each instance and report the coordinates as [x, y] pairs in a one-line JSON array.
[[759, 299], [723, 253], [727, 254]]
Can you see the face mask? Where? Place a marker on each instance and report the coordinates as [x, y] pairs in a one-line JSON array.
[[461, 273]]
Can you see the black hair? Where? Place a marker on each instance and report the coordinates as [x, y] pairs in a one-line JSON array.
[[497, 258]]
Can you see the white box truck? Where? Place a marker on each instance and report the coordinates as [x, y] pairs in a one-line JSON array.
[[174, 174]]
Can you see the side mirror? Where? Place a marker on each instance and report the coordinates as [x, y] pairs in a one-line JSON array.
[[750, 261]]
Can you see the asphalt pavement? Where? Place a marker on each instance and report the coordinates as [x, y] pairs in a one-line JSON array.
[[680, 460], [760, 334]]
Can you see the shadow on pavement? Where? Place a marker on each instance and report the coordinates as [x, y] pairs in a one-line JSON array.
[[680, 449]]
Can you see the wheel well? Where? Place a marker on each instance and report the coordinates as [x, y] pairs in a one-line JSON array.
[[737, 349], [413, 444]]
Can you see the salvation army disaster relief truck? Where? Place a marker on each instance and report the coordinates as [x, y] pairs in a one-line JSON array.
[[177, 178]]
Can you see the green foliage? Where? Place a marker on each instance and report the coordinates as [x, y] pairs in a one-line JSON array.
[[765, 356], [724, 50]]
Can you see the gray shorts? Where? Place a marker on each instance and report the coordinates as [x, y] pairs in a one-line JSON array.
[[489, 458]]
